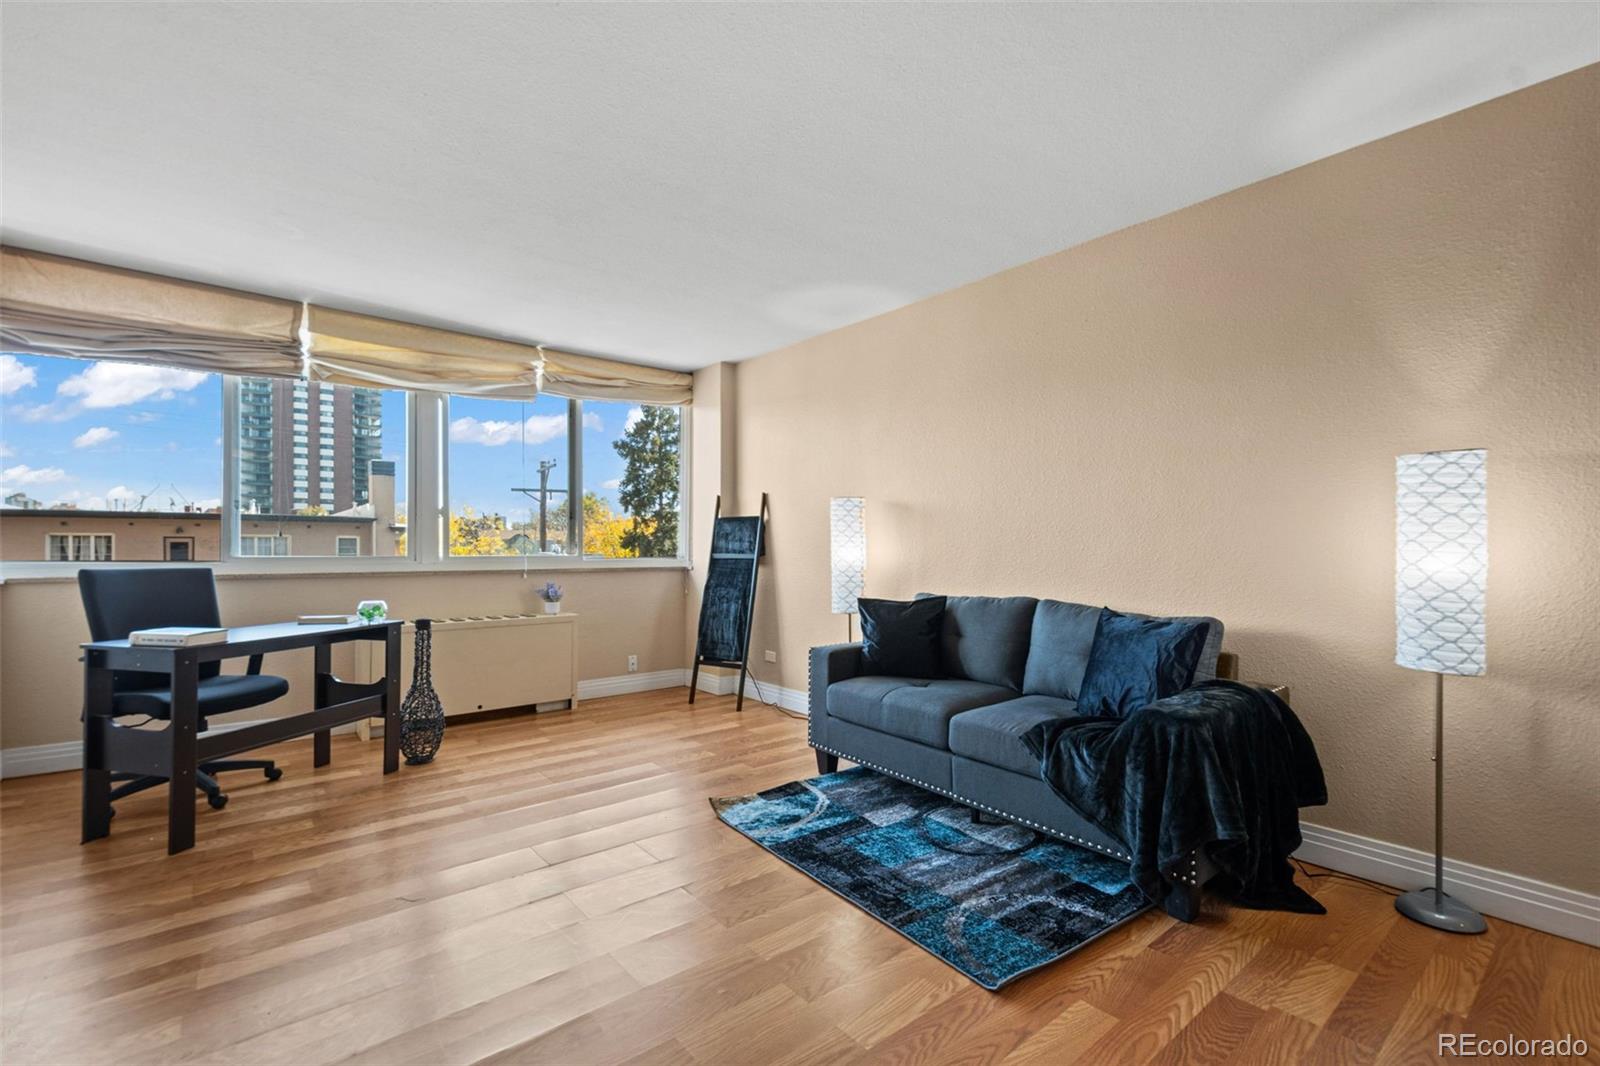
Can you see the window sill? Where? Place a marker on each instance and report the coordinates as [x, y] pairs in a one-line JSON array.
[[311, 566]]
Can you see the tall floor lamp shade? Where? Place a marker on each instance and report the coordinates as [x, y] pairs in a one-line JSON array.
[[847, 538], [1441, 566]]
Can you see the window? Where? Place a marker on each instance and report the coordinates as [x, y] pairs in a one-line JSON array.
[[130, 462], [356, 490], [509, 475], [255, 544], [632, 480], [88, 449], [79, 547]]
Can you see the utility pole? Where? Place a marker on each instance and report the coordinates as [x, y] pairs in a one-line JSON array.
[[544, 490], [545, 466]]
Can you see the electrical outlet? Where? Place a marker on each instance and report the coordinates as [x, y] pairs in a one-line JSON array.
[[633, 664], [772, 656]]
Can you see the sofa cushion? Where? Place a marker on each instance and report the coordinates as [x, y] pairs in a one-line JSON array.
[[912, 708], [985, 638], [1058, 649], [1137, 661], [901, 638], [993, 734]]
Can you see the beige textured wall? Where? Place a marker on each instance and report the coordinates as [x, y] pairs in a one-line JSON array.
[[1200, 415], [621, 612]]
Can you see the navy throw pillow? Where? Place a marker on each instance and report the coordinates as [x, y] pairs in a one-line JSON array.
[[901, 638], [1136, 661]]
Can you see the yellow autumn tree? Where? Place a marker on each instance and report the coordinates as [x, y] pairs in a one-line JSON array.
[[603, 529], [475, 534]]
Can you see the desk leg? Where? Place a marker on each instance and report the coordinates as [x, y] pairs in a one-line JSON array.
[[322, 739], [391, 700], [183, 734], [96, 775]]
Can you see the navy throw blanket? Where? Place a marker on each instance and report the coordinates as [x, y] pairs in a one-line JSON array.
[[1219, 764]]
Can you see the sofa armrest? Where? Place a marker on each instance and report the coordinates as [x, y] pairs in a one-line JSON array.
[[830, 664]]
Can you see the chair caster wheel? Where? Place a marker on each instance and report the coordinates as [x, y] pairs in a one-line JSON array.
[[217, 800], [273, 773]]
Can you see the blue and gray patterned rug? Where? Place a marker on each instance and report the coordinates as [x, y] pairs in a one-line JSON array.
[[994, 900]]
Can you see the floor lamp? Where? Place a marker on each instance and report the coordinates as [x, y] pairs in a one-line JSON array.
[[847, 541], [1441, 563]]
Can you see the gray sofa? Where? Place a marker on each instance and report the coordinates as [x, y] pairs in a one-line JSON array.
[[1009, 663]]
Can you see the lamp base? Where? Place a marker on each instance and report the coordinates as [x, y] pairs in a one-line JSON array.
[[1432, 907]]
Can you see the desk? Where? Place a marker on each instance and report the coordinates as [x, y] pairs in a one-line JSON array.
[[176, 752]]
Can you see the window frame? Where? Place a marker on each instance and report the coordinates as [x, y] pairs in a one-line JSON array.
[[427, 497], [72, 535], [286, 538], [338, 543]]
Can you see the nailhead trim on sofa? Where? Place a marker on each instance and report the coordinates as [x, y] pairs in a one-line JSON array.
[[1192, 879]]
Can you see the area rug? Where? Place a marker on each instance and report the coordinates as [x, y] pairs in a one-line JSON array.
[[994, 900]]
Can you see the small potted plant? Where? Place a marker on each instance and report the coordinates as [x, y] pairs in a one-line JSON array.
[[551, 595]]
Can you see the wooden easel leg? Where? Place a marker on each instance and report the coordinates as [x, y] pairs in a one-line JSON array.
[[694, 680], [744, 672]]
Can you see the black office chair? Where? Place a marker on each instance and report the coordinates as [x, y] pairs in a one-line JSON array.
[[121, 601]]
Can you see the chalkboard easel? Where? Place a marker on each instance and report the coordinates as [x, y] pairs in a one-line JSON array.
[[737, 544]]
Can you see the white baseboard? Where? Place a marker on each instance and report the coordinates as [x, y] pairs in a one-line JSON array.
[[1536, 904], [790, 699], [621, 684], [41, 759]]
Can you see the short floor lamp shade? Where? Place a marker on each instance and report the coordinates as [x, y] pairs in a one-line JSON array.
[[847, 539], [1441, 570]]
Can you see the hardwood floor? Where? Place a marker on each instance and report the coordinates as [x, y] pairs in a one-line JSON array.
[[557, 890]]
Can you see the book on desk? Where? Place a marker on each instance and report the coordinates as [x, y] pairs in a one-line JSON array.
[[177, 637]]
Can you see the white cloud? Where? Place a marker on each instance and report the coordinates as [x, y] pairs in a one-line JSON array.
[[14, 376], [94, 435], [536, 430], [141, 418], [634, 414], [613, 483], [592, 421], [119, 384], [119, 498], [23, 474]]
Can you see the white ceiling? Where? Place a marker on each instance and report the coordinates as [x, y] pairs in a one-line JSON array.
[[681, 184]]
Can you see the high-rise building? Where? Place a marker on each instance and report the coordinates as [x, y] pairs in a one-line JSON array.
[[303, 445]]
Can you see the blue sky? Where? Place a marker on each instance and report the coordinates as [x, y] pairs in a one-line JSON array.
[[96, 433], [496, 445]]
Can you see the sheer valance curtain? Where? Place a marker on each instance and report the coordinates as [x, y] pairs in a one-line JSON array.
[[51, 305]]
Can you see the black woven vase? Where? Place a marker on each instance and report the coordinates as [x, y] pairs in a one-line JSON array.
[[421, 713]]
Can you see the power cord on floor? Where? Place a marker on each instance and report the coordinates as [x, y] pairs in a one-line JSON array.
[[762, 698], [1336, 875]]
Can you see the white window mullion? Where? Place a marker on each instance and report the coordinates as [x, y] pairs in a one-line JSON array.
[[575, 478], [428, 522], [229, 547]]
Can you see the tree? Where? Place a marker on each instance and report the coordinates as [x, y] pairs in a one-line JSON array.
[[475, 534], [649, 487], [604, 529]]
